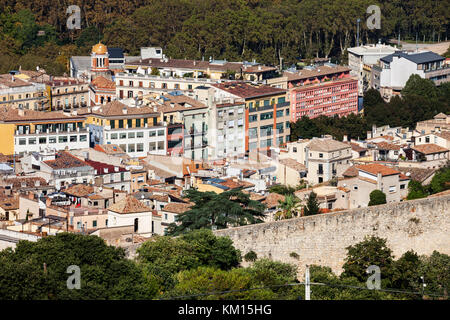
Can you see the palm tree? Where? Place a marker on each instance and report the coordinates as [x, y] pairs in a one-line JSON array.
[[288, 207]]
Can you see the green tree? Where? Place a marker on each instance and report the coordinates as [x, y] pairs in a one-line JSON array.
[[371, 251], [288, 207], [416, 190], [377, 197], [105, 272], [230, 208], [418, 86], [441, 180], [312, 205]]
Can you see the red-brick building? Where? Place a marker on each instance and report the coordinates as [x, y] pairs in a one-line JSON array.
[[327, 97]]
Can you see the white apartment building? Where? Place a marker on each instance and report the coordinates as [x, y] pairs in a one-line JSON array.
[[368, 55], [395, 70], [138, 142], [49, 140]]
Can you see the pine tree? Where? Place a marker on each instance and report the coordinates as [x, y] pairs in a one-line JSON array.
[[312, 206]]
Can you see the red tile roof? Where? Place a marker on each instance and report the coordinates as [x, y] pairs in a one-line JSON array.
[[247, 90], [65, 160], [375, 168], [129, 205], [429, 148], [102, 167]]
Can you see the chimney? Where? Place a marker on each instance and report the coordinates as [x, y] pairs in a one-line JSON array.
[[124, 110], [345, 139], [172, 105]]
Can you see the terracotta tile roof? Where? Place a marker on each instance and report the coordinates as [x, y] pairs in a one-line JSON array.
[[293, 164], [254, 196], [272, 199], [387, 146], [116, 108], [356, 147], [129, 205], [444, 134], [429, 148], [178, 103], [109, 148], [103, 83], [247, 90], [306, 74], [159, 197], [29, 181], [9, 81], [79, 190], [375, 168], [13, 115], [404, 177], [97, 197], [418, 174], [188, 64], [65, 160], [326, 145], [177, 207], [343, 189], [351, 172], [258, 69], [9, 203]]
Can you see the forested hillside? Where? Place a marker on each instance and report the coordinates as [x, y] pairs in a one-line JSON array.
[[233, 29]]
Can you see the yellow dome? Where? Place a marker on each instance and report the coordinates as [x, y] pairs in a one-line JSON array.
[[99, 48]]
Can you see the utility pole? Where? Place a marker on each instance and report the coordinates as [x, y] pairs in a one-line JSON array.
[[423, 286], [357, 32], [307, 284]]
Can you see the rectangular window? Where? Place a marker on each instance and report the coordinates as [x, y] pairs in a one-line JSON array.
[[152, 146], [140, 147], [42, 140], [131, 135], [22, 142], [152, 133], [112, 124], [83, 138], [113, 136], [131, 147], [280, 113], [130, 123], [392, 189], [94, 223], [253, 118], [32, 141], [139, 134], [73, 138], [160, 133], [120, 124], [62, 139], [52, 140], [138, 123], [160, 145], [282, 100], [123, 135], [266, 115]]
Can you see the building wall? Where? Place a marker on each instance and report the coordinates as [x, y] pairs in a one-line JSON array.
[[420, 225], [326, 98]]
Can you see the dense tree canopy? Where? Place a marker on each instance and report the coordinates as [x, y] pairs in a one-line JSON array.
[[224, 29], [377, 197], [104, 270], [212, 210]]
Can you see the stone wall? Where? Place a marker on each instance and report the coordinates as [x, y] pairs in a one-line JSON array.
[[421, 225]]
